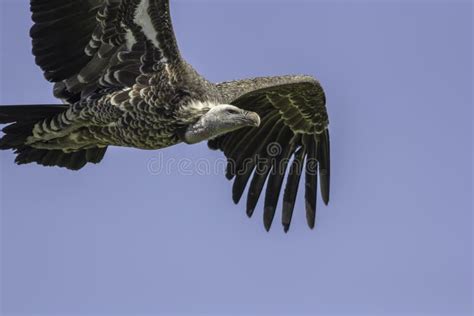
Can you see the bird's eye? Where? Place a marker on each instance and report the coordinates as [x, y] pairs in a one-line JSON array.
[[232, 111]]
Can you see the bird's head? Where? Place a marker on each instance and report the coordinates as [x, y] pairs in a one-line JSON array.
[[219, 120]]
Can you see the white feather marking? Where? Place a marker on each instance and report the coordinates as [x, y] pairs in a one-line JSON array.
[[143, 19], [81, 78], [130, 39], [198, 106]]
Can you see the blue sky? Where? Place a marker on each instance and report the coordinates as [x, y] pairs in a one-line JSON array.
[[396, 239]]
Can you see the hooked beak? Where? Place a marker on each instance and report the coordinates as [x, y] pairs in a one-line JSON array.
[[252, 118]]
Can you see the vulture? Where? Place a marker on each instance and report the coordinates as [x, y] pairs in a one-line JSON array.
[[117, 69]]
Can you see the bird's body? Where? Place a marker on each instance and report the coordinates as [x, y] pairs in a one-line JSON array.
[[151, 114], [117, 68]]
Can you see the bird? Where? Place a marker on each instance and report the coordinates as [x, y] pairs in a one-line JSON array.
[[121, 81]]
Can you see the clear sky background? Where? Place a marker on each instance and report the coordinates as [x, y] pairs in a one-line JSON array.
[[396, 239]]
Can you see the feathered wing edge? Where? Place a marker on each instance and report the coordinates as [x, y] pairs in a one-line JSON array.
[[292, 141], [88, 46]]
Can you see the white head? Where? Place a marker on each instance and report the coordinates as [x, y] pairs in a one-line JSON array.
[[219, 120]]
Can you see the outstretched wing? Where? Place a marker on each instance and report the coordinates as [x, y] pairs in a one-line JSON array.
[[293, 135], [89, 45]]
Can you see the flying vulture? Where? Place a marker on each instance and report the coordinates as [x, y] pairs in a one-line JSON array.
[[116, 66]]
